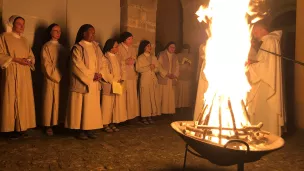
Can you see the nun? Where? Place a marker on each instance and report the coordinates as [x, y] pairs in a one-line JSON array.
[[83, 111], [17, 106], [169, 61], [127, 54], [53, 58], [113, 106], [147, 65]]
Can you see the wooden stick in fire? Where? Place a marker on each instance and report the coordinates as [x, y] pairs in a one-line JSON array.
[[200, 118], [245, 110], [232, 117], [206, 121], [220, 120]]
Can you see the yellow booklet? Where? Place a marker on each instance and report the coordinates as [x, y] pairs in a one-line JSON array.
[[117, 88]]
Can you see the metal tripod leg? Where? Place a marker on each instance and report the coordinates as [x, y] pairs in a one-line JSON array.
[[185, 157]]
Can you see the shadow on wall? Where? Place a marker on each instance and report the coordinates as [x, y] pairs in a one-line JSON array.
[[2, 28], [38, 41]]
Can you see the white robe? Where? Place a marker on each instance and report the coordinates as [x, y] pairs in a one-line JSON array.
[[131, 80], [265, 100], [53, 56], [114, 109], [17, 108], [167, 92], [84, 110], [149, 87], [183, 93]]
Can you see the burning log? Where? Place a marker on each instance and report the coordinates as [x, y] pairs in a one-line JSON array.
[[232, 117], [220, 121], [245, 110]]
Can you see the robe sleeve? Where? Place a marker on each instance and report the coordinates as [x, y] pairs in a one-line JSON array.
[[141, 65], [163, 73], [79, 69], [265, 68], [100, 61], [123, 70], [176, 73], [32, 58], [5, 58], [105, 71], [48, 67]]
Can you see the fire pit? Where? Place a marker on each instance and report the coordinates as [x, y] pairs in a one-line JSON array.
[[228, 154], [222, 132]]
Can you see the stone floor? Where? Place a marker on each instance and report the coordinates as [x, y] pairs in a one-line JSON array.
[[136, 147]]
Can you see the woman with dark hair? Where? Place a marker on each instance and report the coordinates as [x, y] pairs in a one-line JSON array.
[[53, 57], [17, 106], [84, 113], [127, 55], [169, 62], [113, 106], [147, 65]]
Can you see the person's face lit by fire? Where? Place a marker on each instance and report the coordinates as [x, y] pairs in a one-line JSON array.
[[259, 32], [89, 35], [148, 48], [56, 33], [129, 41], [114, 50], [171, 48], [18, 26]]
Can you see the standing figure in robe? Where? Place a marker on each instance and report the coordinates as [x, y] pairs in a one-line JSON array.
[[53, 57], [147, 65], [265, 100], [127, 54], [169, 62], [202, 83], [17, 108], [183, 87], [83, 111], [114, 109]]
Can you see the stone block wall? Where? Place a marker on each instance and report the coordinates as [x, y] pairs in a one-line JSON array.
[[139, 18]]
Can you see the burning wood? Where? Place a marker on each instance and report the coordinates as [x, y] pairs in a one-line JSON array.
[[224, 115]]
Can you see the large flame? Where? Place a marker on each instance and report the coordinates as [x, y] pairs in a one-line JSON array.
[[226, 51]]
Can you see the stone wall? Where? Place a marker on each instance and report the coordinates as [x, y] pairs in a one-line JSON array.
[[169, 23], [139, 18]]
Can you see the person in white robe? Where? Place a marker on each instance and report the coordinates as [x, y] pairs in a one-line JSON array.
[[17, 108], [83, 111], [202, 83], [53, 57], [127, 54], [265, 100], [184, 84], [169, 62], [147, 65], [114, 109]]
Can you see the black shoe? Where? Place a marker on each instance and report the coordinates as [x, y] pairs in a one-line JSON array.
[[24, 134], [91, 134], [14, 136], [82, 136]]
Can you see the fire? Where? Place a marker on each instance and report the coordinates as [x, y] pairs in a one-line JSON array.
[[226, 51]]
